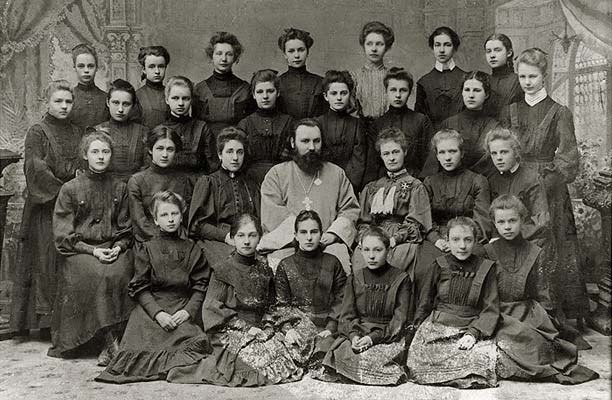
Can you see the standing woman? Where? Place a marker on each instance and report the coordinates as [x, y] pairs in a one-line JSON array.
[[128, 136], [267, 129], [546, 132], [375, 39], [152, 108], [89, 100], [505, 86], [223, 99], [93, 233], [438, 92], [302, 90], [221, 196], [196, 157], [51, 159]]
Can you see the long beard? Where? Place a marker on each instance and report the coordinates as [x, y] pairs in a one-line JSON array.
[[310, 163]]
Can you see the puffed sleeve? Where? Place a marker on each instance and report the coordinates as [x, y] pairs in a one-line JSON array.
[[139, 287], [485, 324], [203, 213], [42, 184], [566, 157], [67, 240]]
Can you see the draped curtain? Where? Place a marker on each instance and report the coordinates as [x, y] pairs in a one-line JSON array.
[[592, 20]]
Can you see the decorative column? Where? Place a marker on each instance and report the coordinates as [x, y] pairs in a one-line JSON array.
[[123, 37]]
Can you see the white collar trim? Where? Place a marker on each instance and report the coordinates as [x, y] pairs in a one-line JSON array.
[[441, 67], [533, 99]]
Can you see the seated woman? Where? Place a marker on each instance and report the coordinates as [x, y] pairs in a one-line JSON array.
[[163, 144], [170, 279], [93, 233], [397, 203], [220, 196], [241, 291], [455, 191], [452, 345], [309, 285], [373, 320], [528, 342]]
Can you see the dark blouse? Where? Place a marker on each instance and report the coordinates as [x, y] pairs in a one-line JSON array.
[[142, 186], [152, 108], [129, 147], [268, 132], [301, 93], [198, 154], [505, 90], [89, 108], [458, 193], [314, 282], [92, 211], [376, 304], [438, 94], [169, 266], [345, 144], [217, 198]]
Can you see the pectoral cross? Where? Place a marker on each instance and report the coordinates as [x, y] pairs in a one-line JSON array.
[[307, 203]]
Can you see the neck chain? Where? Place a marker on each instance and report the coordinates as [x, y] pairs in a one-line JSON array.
[[307, 202]]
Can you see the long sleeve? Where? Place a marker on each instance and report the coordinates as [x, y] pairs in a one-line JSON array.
[[538, 285], [198, 279], [482, 202], [122, 224], [420, 103], [418, 220], [67, 240], [338, 294], [203, 214], [137, 212], [281, 284], [274, 208], [215, 313], [347, 213], [208, 148], [424, 290], [396, 326], [42, 185], [349, 317], [357, 163], [140, 285], [485, 324], [434, 233], [539, 225], [566, 157]]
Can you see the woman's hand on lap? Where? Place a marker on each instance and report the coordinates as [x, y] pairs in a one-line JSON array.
[[165, 321]]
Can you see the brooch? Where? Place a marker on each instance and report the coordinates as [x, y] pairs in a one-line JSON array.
[[405, 189]]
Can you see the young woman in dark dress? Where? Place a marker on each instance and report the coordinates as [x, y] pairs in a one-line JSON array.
[[219, 197], [267, 129], [373, 320], [197, 156], [51, 159], [152, 109], [343, 134], [505, 86], [93, 235], [302, 91], [170, 280], [128, 136], [89, 108], [223, 99], [246, 352], [438, 93], [163, 144]]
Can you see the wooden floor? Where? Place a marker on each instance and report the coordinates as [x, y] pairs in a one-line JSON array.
[[27, 373]]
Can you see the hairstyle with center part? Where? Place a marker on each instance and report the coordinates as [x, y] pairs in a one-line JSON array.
[[333, 76], [91, 137], [157, 51], [306, 215], [295, 34], [508, 202], [164, 132], [399, 74], [56, 86], [375, 231], [265, 75], [481, 77], [444, 30], [231, 133], [120, 85], [465, 222], [168, 197], [446, 134], [224, 37], [179, 81], [535, 57], [377, 27], [241, 220], [500, 133], [310, 122], [393, 135], [84, 48], [507, 44]]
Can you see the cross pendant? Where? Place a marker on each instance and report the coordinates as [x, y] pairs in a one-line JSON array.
[[307, 203]]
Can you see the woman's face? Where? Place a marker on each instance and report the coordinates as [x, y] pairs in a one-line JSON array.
[[448, 154], [308, 235], [503, 155], [474, 94], [443, 48], [232, 156], [531, 78], [295, 53], [374, 47], [338, 96], [392, 155], [119, 105], [85, 67], [265, 94], [60, 104], [496, 53], [154, 68], [398, 92], [461, 241], [179, 100], [374, 252], [223, 58], [98, 156], [168, 217], [246, 239], [163, 153], [508, 223]]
